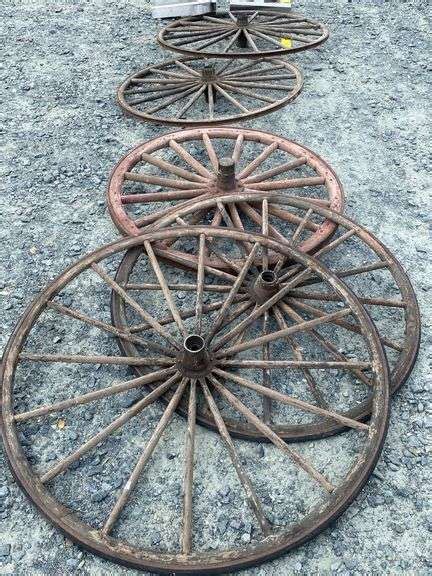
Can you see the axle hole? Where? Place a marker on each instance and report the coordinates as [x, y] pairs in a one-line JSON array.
[[194, 343], [268, 277]]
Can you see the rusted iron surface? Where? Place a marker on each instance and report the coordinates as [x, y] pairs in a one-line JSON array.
[[243, 34], [196, 92], [217, 378], [355, 255], [184, 166]]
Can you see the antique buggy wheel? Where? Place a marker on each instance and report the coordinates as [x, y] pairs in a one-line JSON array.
[[356, 256], [208, 161], [187, 365], [243, 34], [195, 91]]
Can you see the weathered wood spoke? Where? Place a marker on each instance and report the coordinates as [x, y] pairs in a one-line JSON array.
[[135, 409], [251, 497], [144, 458], [95, 395], [186, 535], [298, 460]]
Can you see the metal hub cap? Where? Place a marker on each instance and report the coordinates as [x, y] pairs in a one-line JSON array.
[[89, 452]]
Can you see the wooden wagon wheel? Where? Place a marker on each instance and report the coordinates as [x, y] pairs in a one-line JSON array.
[[187, 361], [243, 34], [157, 177], [356, 256], [195, 91]]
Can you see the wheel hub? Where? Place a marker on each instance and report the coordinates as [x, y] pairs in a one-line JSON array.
[[265, 285], [194, 359]]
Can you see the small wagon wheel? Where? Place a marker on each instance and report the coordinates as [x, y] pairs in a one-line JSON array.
[[243, 34], [157, 177], [194, 91], [356, 256], [119, 444]]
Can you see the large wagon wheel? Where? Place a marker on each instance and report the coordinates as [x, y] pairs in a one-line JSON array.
[[185, 362], [355, 255], [194, 91], [159, 176], [243, 34]]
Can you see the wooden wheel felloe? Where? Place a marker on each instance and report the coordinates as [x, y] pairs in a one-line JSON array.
[[243, 34], [355, 255], [187, 361], [157, 177], [196, 91]]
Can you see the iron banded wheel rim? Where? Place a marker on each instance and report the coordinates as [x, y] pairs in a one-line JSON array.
[[157, 177], [243, 34], [356, 256], [195, 91], [332, 490]]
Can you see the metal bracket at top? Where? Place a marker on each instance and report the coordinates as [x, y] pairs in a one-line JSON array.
[[199, 7]]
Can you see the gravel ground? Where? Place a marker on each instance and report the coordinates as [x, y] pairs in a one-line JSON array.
[[363, 109]]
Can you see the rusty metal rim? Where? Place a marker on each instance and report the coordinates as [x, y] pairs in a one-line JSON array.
[[121, 552], [401, 369], [141, 115], [250, 55], [127, 226]]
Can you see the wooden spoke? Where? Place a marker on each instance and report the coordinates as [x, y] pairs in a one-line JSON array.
[[291, 401], [186, 535], [335, 243], [265, 232], [210, 99], [215, 40], [235, 288], [276, 171], [250, 41], [348, 326], [94, 359], [258, 160], [328, 346], [300, 461], [266, 377], [200, 283], [261, 309], [231, 99], [189, 313], [189, 159], [172, 100], [133, 304], [95, 395], [296, 350], [333, 317], [191, 101], [327, 297], [313, 364], [163, 165], [291, 183], [263, 86], [301, 226], [232, 41], [103, 434], [248, 93], [238, 147], [164, 287], [187, 68], [161, 94], [167, 196], [144, 458], [169, 183], [210, 151], [107, 328], [251, 497]]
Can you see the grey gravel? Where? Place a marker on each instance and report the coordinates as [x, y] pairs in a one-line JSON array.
[[364, 108]]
